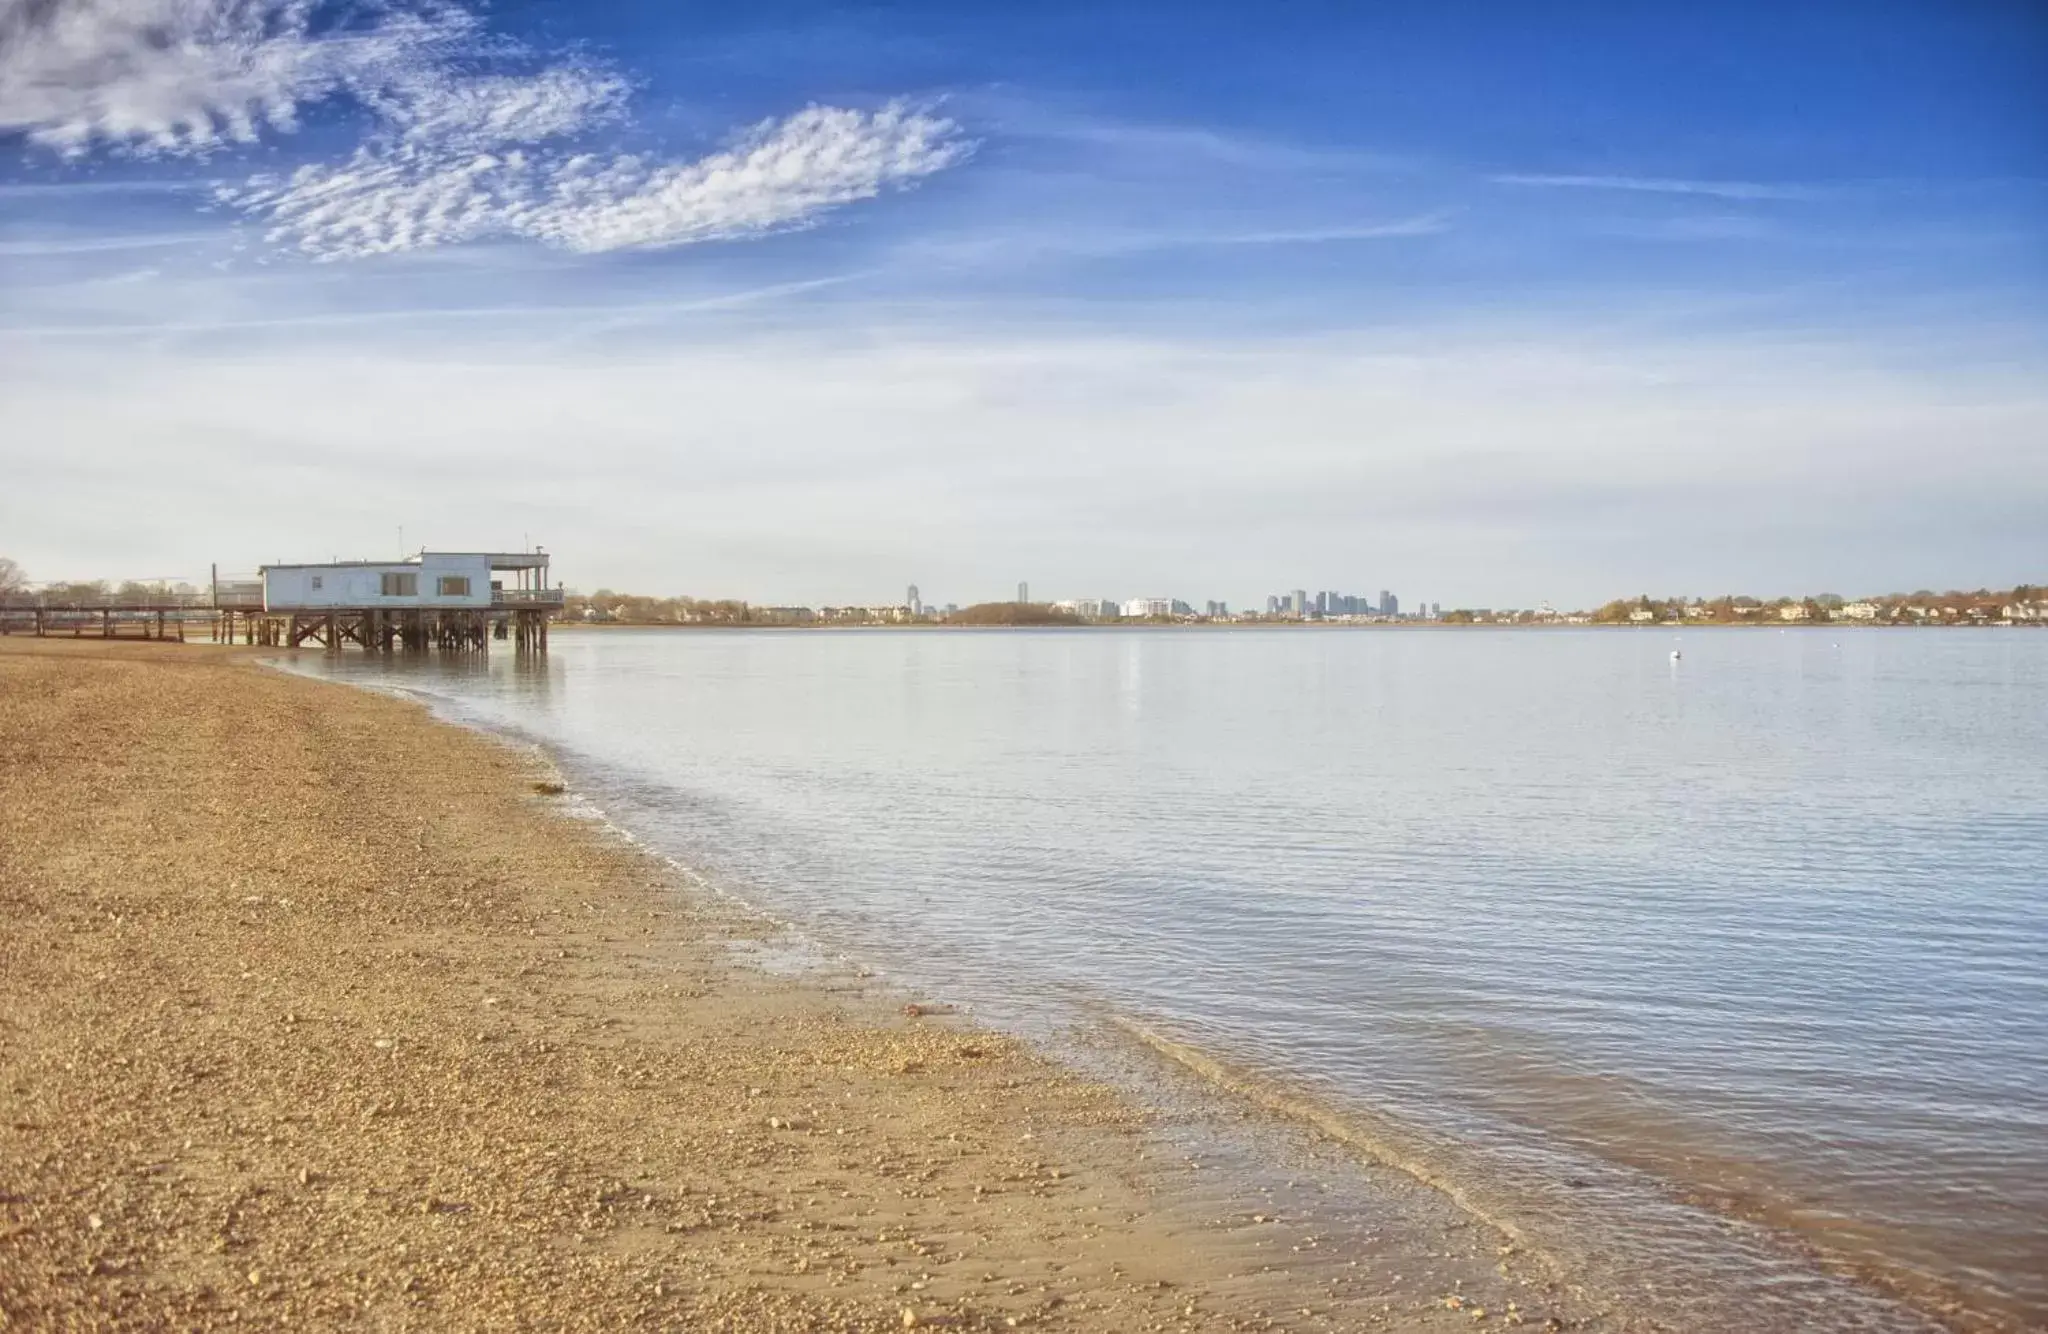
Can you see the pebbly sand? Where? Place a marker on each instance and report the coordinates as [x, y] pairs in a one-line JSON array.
[[315, 1012]]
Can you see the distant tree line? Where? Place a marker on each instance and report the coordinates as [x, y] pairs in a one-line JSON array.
[[1923, 604], [639, 609], [14, 583], [608, 607], [1012, 613]]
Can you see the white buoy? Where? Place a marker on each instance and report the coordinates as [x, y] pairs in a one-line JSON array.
[[1674, 655]]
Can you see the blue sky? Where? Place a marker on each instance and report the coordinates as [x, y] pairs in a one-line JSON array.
[[1489, 304]]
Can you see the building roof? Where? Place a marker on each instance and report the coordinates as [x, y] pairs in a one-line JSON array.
[[499, 560], [503, 560]]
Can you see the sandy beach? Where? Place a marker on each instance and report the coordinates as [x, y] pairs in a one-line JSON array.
[[317, 1012]]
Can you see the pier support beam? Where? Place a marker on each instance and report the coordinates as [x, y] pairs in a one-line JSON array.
[[374, 629]]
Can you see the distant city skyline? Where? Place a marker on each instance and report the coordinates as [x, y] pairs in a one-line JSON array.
[[1297, 602], [2022, 604]]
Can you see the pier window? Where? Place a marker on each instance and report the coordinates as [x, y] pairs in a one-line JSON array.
[[454, 585], [401, 585]]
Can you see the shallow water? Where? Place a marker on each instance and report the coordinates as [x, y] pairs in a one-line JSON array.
[[1701, 976]]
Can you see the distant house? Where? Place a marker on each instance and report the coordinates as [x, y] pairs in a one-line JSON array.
[[1642, 616], [446, 580], [1795, 611], [1859, 611]]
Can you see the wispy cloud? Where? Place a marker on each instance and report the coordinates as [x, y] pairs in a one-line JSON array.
[[1422, 224], [1048, 117], [420, 191], [1012, 245], [37, 247], [1200, 143], [193, 76], [489, 111], [470, 137], [31, 191], [1758, 190], [525, 316]]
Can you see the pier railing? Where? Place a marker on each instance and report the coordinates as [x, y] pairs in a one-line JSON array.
[[526, 597], [118, 602], [236, 599]]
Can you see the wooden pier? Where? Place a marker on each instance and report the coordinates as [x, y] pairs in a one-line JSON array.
[[97, 619], [410, 630], [259, 612]]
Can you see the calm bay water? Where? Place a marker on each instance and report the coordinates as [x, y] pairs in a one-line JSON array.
[[1707, 976]]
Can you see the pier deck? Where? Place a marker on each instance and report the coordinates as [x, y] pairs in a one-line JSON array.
[[518, 616]]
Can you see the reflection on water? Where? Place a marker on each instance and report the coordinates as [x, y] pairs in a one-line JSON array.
[[1629, 952], [444, 678]]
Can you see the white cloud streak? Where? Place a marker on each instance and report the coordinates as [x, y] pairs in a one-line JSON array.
[[418, 192], [1425, 224], [61, 191], [491, 110], [577, 320], [453, 155], [1664, 185], [194, 76], [44, 247], [1019, 246]]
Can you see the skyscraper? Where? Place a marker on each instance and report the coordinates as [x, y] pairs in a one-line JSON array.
[[915, 603], [1299, 600], [1023, 592]]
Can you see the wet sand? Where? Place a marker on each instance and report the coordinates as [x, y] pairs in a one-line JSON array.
[[317, 1012]]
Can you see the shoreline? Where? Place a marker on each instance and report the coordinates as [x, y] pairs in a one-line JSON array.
[[317, 1011], [610, 627]]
